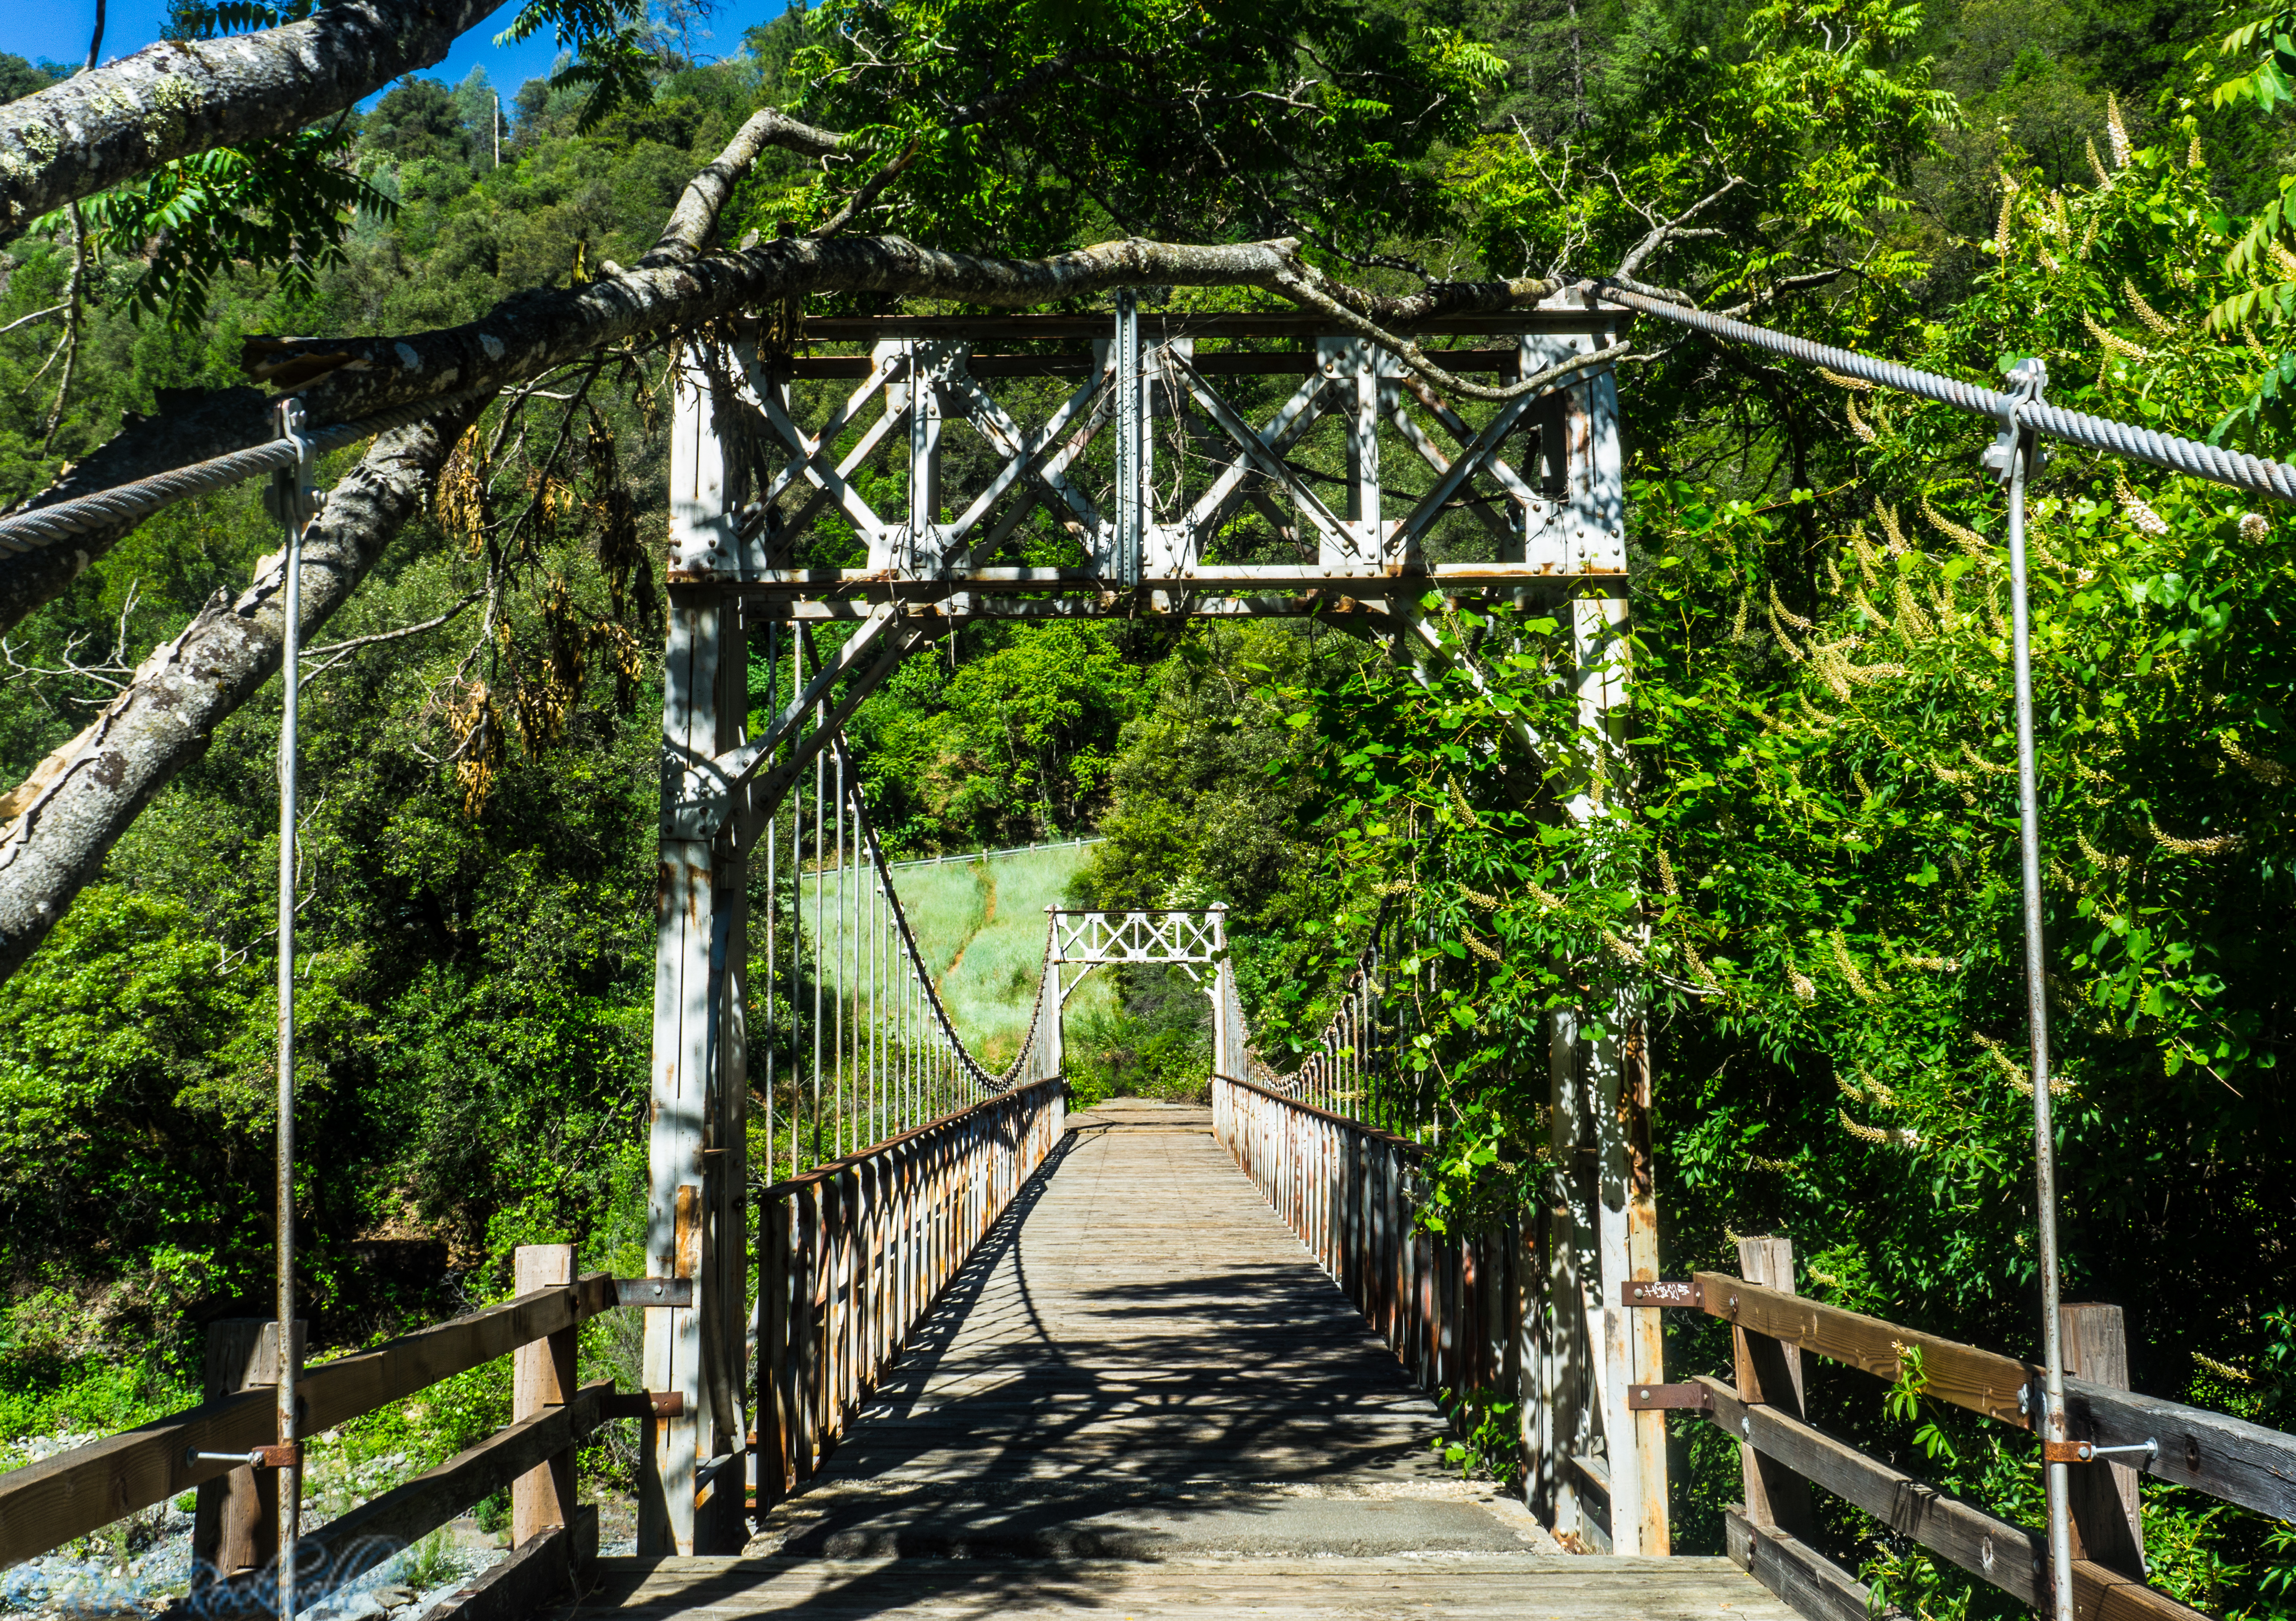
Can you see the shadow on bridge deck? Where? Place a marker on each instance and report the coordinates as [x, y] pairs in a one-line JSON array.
[[1141, 1395]]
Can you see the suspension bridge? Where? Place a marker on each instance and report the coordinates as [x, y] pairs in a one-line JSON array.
[[918, 1340]]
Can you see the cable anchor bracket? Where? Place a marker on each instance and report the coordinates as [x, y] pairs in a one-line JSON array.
[[285, 1455], [2027, 380], [293, 496]]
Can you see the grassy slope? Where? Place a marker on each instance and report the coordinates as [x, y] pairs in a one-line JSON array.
[[981, 925]]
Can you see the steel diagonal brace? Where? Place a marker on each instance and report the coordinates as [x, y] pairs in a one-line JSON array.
[[1416, 438], [1264, 456], [832, 482], [1024, 455], [1463, 436], [1478, 453], [706, 796], [1048, 473], [809, 447], [1300, 413]]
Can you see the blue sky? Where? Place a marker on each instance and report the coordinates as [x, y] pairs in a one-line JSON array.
[[59, 29]]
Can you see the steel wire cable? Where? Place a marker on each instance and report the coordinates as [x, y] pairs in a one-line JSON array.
[[2232, 468], [988, 1081], [44, 526]]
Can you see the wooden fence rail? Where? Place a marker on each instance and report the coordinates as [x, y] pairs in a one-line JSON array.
[[853, 1253], [1453, 1309], [1449, 1306], [46, 1504], [2229, 1458]]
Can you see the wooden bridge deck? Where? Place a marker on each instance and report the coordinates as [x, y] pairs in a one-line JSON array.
[[1142, 1396]]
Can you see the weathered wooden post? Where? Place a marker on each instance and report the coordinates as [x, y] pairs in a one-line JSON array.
[[1769, 1371], [2107, 1518], [235, 1522], [542, 1376]]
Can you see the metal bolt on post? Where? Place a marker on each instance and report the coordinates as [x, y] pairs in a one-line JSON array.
[[293, 501], [2012, 457]]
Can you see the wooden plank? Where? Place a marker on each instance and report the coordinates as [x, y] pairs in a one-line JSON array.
[[552, 1568], [1805, 1579], [87, 1488], [2010, 1557], [2225, 1457], [912, 1589], [1983, 1381]]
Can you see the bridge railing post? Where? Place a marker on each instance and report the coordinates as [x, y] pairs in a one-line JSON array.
[[235, 1519], [1769, 1371], [542, 1376], [2107, 1518]]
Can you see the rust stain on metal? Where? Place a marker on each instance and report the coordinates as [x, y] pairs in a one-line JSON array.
[[688, 1264]]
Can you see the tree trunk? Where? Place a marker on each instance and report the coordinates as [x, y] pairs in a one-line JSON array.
[[178, 97], [68, 814], [341, 379]]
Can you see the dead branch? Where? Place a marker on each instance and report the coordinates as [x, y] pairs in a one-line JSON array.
[[37, 315], [335, 653]]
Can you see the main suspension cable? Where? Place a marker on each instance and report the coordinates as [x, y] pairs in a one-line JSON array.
[[2255, 474], [44, 526]]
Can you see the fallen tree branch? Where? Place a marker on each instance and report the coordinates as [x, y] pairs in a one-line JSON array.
[[57, 826], [191, 425], [696, 214], [341, 379], [1305, 286], [180, 97]]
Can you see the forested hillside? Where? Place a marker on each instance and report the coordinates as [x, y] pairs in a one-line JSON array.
[[1814, 884]]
